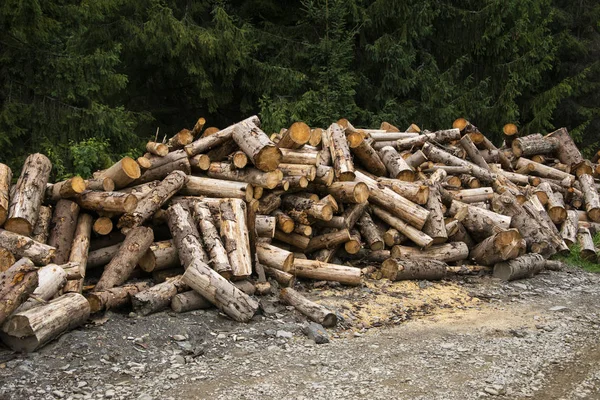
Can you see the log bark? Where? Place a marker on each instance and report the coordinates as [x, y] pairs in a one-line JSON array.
[[313, 269], [398, 269], [530, 167], [347, 192], [590, 194], [295, 136], [536, 210], [213, 140], [416, 159], [265, 226], [42, 226], [370, 232], [6, 259], [412, 191], [479, 222], [510, 132], [158, 149], [435, 227], [335, 139], [219, 260], [23, 246], [499, 247], [136, 243], [220, 292], [122, 173], [161, 255], [586, 244], [300, 156], [200, 162], [369, 158], [267, 180], [5, 181], [51, 279], [153, 201], [16, 284], [312, 310], [114, 298], [112, 202], [283, 221], [197, 186], [523, 267], [353, 245], [396, 165], [476, 195], [461, 235], [79, 250], [275, 257], [448, 252], [261, 151], [62, 229], [315, 136], [100, 257], [189, 301], [328, 240], [443, 136], [29, 330], [568, 230], [556, 208], [28, 194], [419, 238], [180, 139], [158, 297], [185, 235], [293, 170]]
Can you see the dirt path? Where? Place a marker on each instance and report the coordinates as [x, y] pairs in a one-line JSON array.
[[466, 339]]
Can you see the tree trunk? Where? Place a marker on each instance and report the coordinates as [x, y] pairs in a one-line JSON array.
[[219, 260], [136, 243], [207, 142], [154, 200], [435, 227], [157, 297], [41, 231], [525, 266], [312, 310], [51, 279], [415, 192], [62, 229], [275, 257], [590, 194], [79, 251], [258, 147], [568, 230], [5, 181], [370, 232], [398, 269], [16, 284], [335, 139], [113, 202], [419, 238], [216, 289], [586, 244], [499, 247], [395, 164], [28, 194], [448, 252], [267, 180], [122, 173], [295, 137], [29, 330], [369, 158], [197, 186], [23, 246], [313, 269], [114, 298], [189, 301]]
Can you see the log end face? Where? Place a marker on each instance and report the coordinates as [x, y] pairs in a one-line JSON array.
[[131, 168], [593, 214], [3, 215], [130, 203], [268, 158], [18, 225], [347, 176], [78, 184], [361, 192]]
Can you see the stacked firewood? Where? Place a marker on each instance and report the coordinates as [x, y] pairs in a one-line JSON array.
[[216, 216]]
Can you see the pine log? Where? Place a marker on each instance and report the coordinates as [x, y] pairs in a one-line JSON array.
[[435, 226], [300, 156], [382, 136], [556, 208], [161, 255], [530, 167], [102, 226], [295, 136], [567, 152], [222, 170], [328, 240], [291, 170], [114, 298], [416, 159], [348, 192], [200, 162], [28, 194], [16, 284], [396, 165], [592, 200], [398, 269], [586, 244], [412, 191], [523, 267], [568, 230], [107, 201], [473, 153], [180, 139], [261, 151], [185, 235], [354, 136], [536, 210], [283, 221], [461, 235], [499, 247], [41, 231], [216, 289], [370, 232], [527, 146], [215, 139], [335, 139], [65, 189], [369, 158], [443, 136], [419, 238], [219, 260], [473, 195], [160, 173], [312, 310], [23, 246], [5, 181], [158, 297], [28, 330], [275, 257], [51, 279], [197, 186], [353, 245], [543, 191], [479, 222], [100, 257], [265, 226], [62, 229], [448, 252], [438, 155], [6, 259], [313, 269], [316, 135], [293, 239], [122, 173], [158, 149], [189, 301], [136, 243], [79, 251], [510, 133], [314, 209]]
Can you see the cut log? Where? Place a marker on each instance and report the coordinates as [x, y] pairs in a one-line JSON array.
[[353, 245], [185, 235], [295, 136], [107, 201], [23, 246], [216, 289], [556, 208], [189, 301], [527, 146], [100, 257], [499, 247], [142, 190], [265, 226], [314, 209], [393, 237], [284, 222], [443, 136], [536, 210], [398, 269], [461, 235], [275, 257], [510, 133], [158, 149], [438, 155], [369, 158], [586, 244], [161, 255], [590, 194], [416, 159], [267, 180], [435, 227], [79, 250], [200, 162], [261, 151], [160, 173], [412, 191], [354, 136], [325, 175], [543, 191], [136, 243], [114, 298], [122, 173], [198, 126], [29, 330], [567, 152], [328, 240], [370, 232], [299, 241], [448, 252], [335, 139], [65, 189], [525, 266], [300, 156], [180, 139], [291, 170], [476, 195], [479, 222], [5, 181], [313, 269], [102, 226], [172, 157], [158, 297], [212, 139], [51, 279], [312, 310], [197, 186], [315, 137], [41, 231], [302, 229], [153, 201], [16, 284], [284, 279], [28, 194], [568, 230], [62, 229], [219, 260], [419, 238], [525, 166], [473, 152], [349, 192], [396, 165], [6, 259]]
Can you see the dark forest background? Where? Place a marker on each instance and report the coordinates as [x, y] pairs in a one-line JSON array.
[[86, 82]]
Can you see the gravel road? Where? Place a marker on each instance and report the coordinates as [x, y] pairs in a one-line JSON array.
[[465, 338]]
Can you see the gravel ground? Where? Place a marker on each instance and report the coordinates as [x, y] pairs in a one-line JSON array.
[[464, 338]]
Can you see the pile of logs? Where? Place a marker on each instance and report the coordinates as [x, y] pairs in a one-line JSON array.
[[213, 217]]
